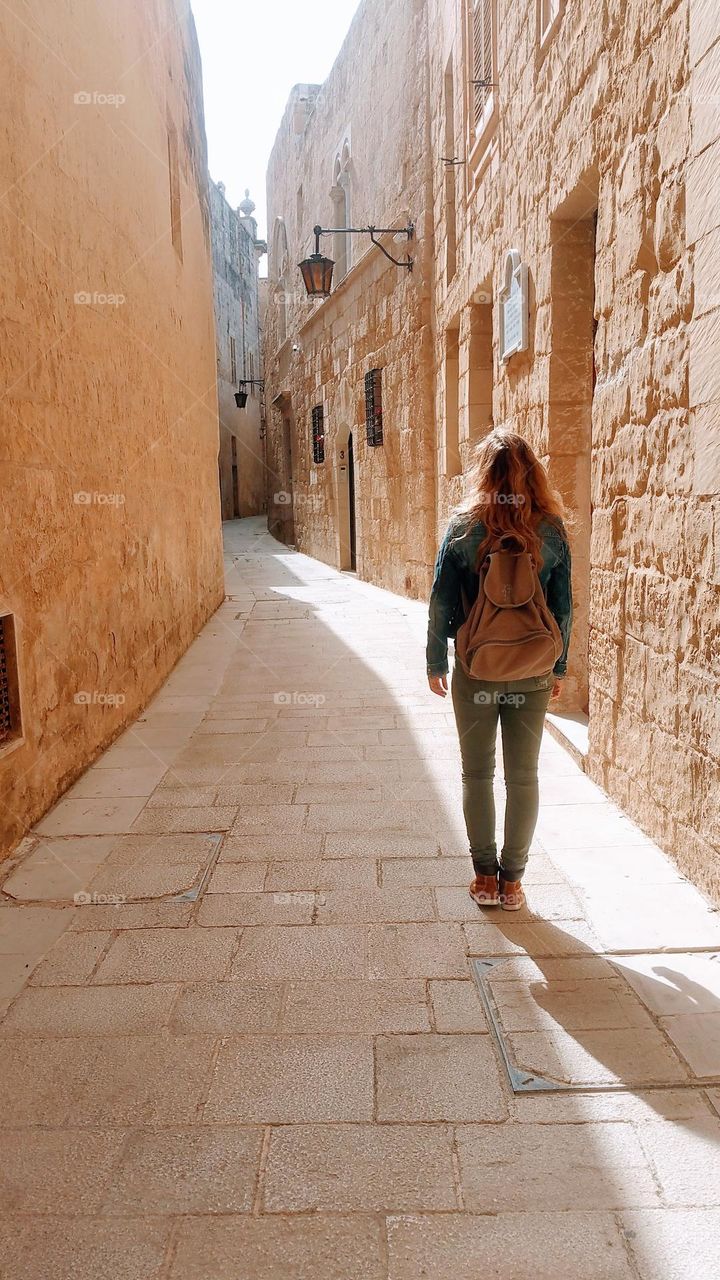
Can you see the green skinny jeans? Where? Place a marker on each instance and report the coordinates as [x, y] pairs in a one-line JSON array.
[[520, 706]]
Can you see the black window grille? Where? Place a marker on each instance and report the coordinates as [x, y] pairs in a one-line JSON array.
[[373, 407], [6, 706], [318, 434]]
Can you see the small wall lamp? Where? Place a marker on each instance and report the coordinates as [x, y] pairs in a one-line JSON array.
[[317, 270], [241, 395]]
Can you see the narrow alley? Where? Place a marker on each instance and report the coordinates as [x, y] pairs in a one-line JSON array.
[[253, 1025]]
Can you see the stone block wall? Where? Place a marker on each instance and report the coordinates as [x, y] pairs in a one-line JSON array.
[[236, 254], [595, 159], [369, 121], [599, 172], [111, 557]]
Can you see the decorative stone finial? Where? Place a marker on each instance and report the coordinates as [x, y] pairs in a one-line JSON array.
[[247, 207]]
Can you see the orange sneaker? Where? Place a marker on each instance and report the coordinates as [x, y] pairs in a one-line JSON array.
[[511, 895], [484, 891]]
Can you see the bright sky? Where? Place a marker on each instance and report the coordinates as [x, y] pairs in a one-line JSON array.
[[253, 53]]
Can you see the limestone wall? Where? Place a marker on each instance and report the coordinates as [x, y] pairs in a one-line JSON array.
[[599, 169], [111, 556], [370, 120], [597, 158], [236, 252]]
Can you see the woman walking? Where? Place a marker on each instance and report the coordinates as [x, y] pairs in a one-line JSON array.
[[502, 591]]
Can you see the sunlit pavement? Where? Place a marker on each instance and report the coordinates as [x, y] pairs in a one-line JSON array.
[[260, 1046]]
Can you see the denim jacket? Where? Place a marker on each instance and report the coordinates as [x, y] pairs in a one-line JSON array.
[[455, 571]]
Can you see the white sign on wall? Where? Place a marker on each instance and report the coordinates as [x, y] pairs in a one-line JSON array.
[[514, 308]]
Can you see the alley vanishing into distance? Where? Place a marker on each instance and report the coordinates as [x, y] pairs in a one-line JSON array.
[[253, 1026]]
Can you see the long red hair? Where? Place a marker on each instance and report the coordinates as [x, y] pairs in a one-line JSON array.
[[510, 491]]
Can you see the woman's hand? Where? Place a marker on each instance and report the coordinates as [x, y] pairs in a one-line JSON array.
[[438, 685], [556, 689]]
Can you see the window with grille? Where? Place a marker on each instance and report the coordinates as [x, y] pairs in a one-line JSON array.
[[318, 434], [483, 61], [373, 407], [9, 706]]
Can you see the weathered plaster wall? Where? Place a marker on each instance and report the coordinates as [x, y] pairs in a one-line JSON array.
[[236, 253], [111, 558], [373, 107]]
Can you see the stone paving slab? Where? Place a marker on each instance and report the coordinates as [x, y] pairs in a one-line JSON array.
[[314, 1247], [546, 1168], [89, 1011], [290, 1071], [292, 1079], [355, 1008], [50, 1248], [168, 955], [673, 1244], [186, 1171], [355, 1168], [544, 1246], [438, 1077]]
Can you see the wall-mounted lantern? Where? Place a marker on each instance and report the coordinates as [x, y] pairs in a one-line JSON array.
[[241, 395], [317, 270]]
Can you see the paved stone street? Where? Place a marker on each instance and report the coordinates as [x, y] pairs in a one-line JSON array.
[[253, 1026]]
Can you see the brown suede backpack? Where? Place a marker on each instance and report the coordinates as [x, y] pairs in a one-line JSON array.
[[509, 632]]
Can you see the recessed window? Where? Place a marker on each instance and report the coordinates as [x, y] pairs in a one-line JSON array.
[[10, 722], [482, 113], [547, 13], [233, 360], [373, 407], [453, 465], [318, 434], [483, 59], [450, 175], [480, 372]]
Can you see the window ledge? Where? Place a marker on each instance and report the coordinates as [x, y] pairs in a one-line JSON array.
[[546, 37], [7, 748], [482, 153]]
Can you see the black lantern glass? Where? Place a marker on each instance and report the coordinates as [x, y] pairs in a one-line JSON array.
[[241, 398], [317, 273]]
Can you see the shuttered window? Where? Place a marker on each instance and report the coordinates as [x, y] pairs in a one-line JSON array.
[[318, 434], [373, 407], [483, 62]]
